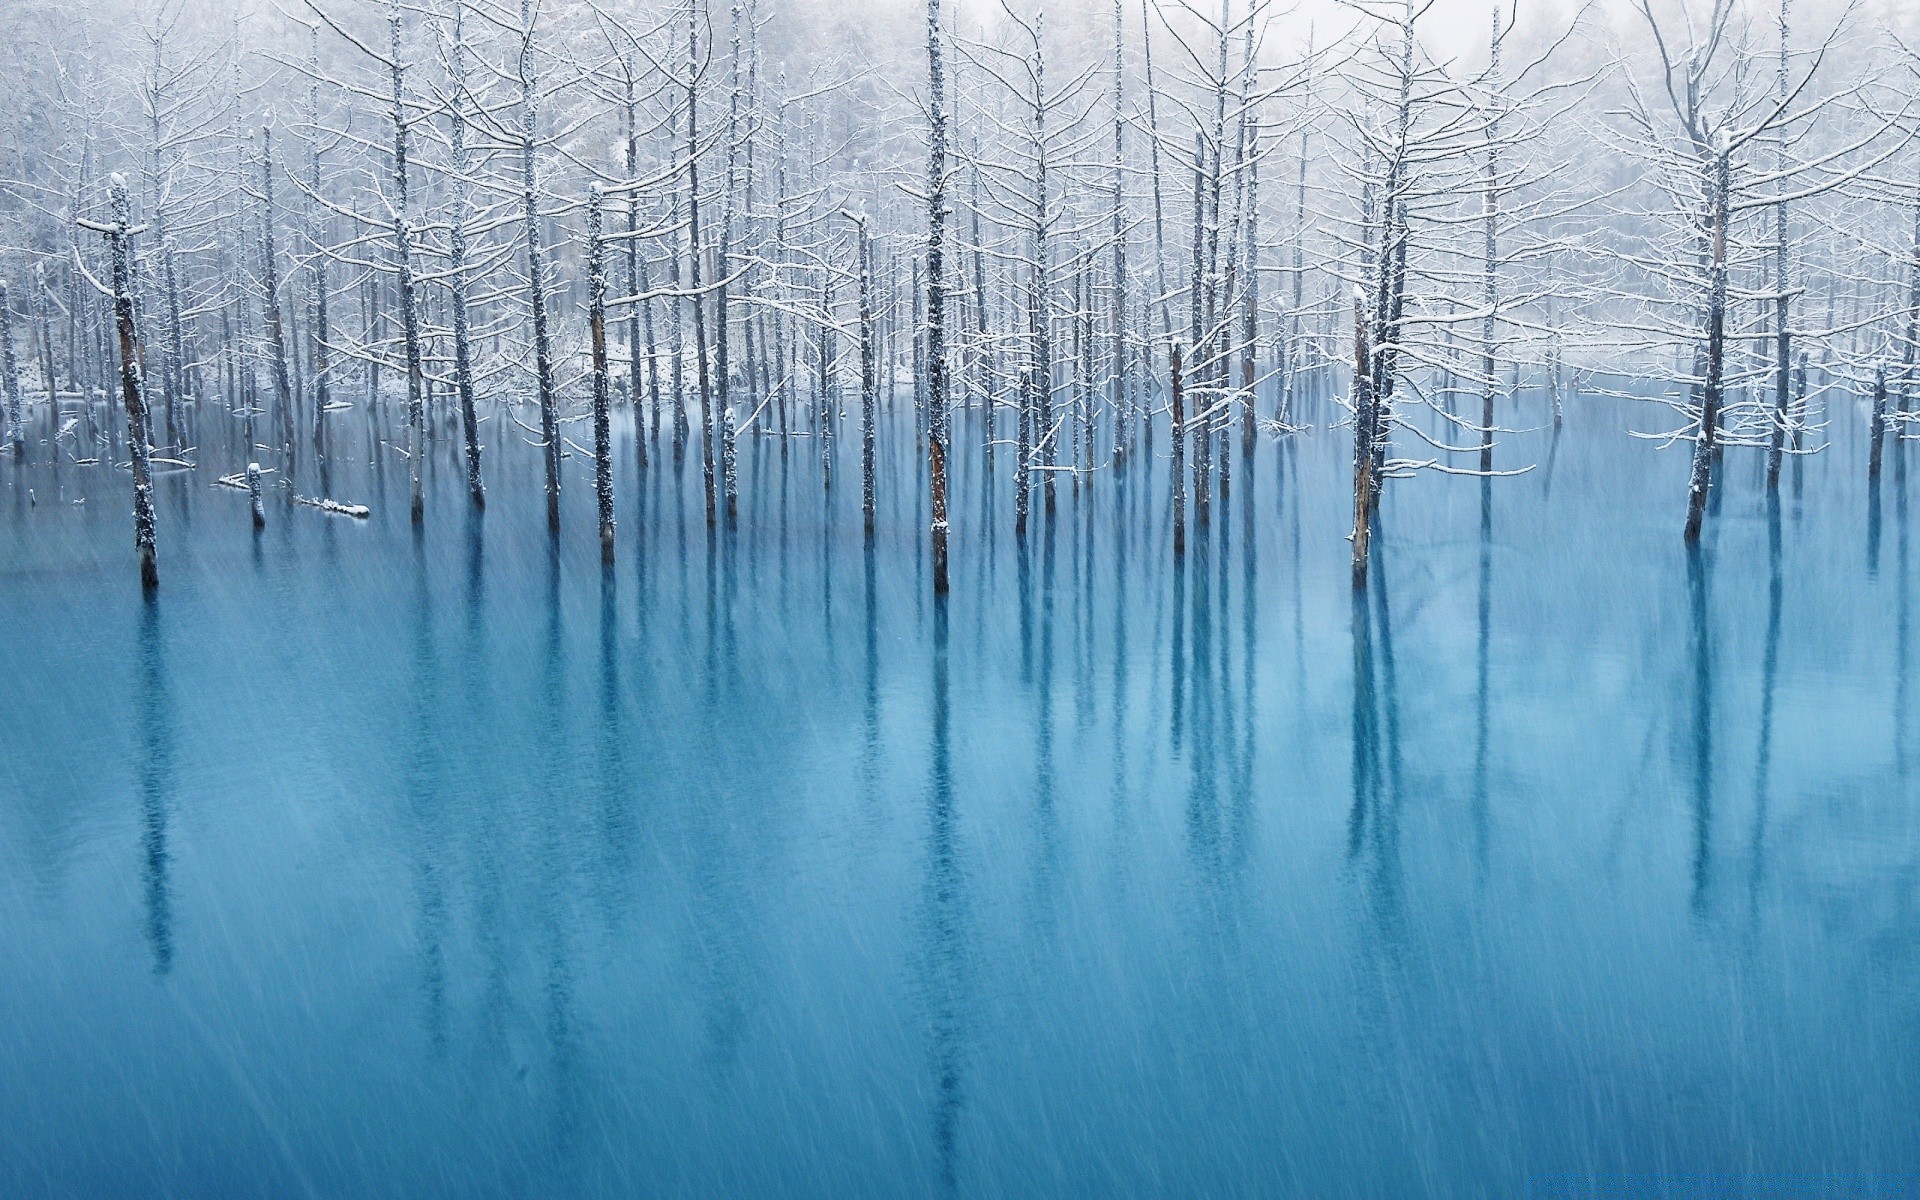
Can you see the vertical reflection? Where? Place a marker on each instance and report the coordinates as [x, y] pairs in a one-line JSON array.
[[1046, 816], [1373, 824], [986, 543], [486, 833], [1482, 638], [1389, 682], [610, 761], [1242, 817], [1769, 675], [870, 743], [1119, 718], [1553, 457], [552, 899], [944, 967], [423, 781], [1024, 584], [1177, 710], [1902, 687], [784, 539], [1873, 526], [712, 596], [1202, 818], [681, 577], [1225, 735], [153, 725], [1083, 611], [1702, 655], [1299, 594], [826, 571]]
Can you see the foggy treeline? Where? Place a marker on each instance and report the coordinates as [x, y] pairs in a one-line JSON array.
[[1058, 235]]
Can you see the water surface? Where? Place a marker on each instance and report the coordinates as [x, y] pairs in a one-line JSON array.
[[367, 860]]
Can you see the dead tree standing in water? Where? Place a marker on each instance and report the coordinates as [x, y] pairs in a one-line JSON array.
[[10, 377], [867, 380], [1700, 479], [536, 270], [119, 234], [937, 297], [602, 385], [270, 291], [1366, 417]]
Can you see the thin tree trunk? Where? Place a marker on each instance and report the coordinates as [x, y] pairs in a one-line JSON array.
[[536, 270], [10, 377], [270, 291], [1364, 417], [1782, 334], [457, 268], [120, 242], [602, 385], [1877, 422], [1175, 386], [1700, 480], [867, 383], [644, 309], [709, 423], [937, 296]]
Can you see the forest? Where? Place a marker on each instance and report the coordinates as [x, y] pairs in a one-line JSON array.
[[959, 597], [228, 230]]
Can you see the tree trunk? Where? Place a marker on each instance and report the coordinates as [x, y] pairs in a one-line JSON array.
[[270, 288], [536, 271], [1700, 480], [10, 377], [1179, 473], [867, 383], [602, 385], [120, 244], [1364, 417]]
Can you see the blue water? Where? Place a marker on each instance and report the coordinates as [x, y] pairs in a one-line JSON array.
[[364, 861]]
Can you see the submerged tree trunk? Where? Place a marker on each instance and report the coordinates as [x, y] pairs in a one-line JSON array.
[[635, 312], [1701, 478], [723, 320], [1877, 423], [867, 381], [602, 385], [317, 363], [403, 252], [1023, 450], [1365, 414], [1490, 282], [1122, 412], [175, 357], [536, 271], [457, 272], [1177, 389], [270, 289], [1782, 335], [10, 377], [253, 496], [937, 297], [120, 245], [709, 424], [37, 307]]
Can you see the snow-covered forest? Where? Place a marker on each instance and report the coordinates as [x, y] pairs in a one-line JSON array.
[[1063, 233]]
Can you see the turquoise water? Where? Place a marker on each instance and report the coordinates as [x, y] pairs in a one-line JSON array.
[[367, 861]]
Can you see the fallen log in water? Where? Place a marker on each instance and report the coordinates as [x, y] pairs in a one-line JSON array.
[[238, 480], [360, 511]]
